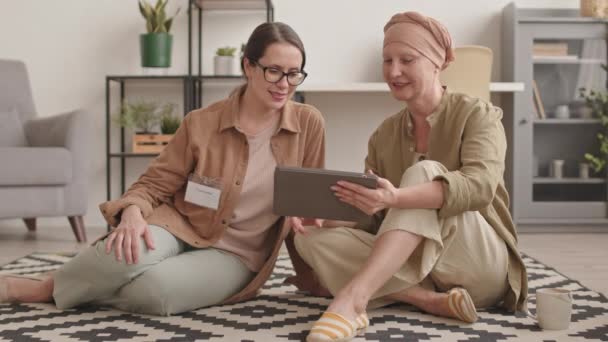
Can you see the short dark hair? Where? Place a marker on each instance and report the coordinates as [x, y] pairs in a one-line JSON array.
[[269, 33]]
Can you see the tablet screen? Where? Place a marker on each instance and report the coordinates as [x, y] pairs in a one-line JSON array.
[[305, 192]]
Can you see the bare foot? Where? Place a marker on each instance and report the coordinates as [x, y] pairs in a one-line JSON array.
[[348, 304], [26, 290], [461, 307], [438, 305], [4, 298]]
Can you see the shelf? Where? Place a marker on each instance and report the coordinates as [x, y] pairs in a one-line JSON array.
[[383, 87], [532, 15], [219, 5], [344, 87], [572, 20], [568, 180], [132, 155], [221, 77], [566, 121], [506, 87], [566, 60], [172, 77], [380, 87], [144, 77]]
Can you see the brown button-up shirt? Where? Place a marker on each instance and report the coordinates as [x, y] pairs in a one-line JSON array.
[[468, 138], [208, 144]]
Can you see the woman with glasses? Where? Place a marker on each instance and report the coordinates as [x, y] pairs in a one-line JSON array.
[[441, 238], [197, 228]]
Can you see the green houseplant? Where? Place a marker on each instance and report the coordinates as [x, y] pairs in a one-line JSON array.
[[598, 102], [226, 51], [143, 117], [169, 123], [156, 44], [225, 62]]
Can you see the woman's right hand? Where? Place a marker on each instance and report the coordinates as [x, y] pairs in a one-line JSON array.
[[125, 237], [298, 224]]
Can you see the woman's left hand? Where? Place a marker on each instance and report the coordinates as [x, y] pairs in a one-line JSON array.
[[370, 201]]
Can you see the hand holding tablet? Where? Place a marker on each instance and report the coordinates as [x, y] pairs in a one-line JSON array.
[[305, 192]]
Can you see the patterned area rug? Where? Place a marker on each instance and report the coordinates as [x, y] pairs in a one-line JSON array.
[[282, 314]]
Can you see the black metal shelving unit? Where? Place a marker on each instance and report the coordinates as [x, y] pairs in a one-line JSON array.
[[192, 83]]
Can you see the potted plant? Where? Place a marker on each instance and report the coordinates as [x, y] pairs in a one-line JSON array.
[[598, 102], [143, 116], [224, 62], [169, 123], [156, 45]]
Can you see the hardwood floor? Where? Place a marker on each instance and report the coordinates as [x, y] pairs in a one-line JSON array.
[[583, 257], [16, 241]]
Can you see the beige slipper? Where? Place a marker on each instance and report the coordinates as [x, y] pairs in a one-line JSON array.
[[337, 328], [461, 305]]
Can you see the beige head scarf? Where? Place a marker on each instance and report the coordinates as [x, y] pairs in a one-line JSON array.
[[424, 34]]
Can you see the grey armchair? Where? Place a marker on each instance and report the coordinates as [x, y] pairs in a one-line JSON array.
[[43, 161]]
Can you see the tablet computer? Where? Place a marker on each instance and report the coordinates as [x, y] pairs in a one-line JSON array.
[[306, 192]]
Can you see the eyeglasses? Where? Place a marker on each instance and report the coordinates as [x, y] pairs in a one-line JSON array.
[[274, 75]]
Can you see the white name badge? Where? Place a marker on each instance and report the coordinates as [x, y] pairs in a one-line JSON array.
[[203, 195]]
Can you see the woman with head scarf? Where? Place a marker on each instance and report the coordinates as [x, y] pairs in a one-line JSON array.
[[442, 238]]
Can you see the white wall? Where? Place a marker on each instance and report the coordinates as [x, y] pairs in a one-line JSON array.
[[70, 46]]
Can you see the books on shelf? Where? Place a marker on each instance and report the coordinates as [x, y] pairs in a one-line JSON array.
[[555, 58], [538, 103], [549, 49], [552, 51]]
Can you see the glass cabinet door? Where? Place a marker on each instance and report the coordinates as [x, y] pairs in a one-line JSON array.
[[564, 127]]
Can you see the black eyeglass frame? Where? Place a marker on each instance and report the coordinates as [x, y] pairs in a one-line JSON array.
[[284, 74]]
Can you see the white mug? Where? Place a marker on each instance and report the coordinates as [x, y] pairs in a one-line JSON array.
[[557, 168], [553, 308], [562, 112], [583, 170]]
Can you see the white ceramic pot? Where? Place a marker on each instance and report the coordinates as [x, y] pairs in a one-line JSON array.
[[224, 65]]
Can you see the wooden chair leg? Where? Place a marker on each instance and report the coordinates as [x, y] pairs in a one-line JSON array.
[[77, 224], [30, 223]]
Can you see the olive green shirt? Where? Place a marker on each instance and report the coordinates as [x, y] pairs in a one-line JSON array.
[[468, 138]]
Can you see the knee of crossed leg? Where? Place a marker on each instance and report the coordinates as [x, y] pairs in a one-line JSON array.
[[422, 172], [105, 264]]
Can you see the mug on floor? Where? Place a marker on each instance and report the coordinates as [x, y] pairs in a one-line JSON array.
[[553, 308]]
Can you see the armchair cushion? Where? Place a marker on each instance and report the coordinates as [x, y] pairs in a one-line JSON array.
[[68, 130], [31, 166], [11, 129]]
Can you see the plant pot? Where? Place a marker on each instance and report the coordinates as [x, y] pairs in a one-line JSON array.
[[224, 66], [150, 143], [155, 50]]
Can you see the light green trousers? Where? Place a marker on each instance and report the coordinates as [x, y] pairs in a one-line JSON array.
[[169, 279]]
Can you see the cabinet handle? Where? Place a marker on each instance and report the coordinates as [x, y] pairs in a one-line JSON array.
[[523, 121]]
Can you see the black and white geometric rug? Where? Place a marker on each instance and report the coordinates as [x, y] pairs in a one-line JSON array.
[[282, 314]]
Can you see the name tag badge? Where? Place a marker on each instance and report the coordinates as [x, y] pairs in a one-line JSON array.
[[203, 191]]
